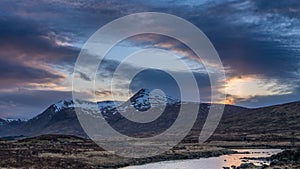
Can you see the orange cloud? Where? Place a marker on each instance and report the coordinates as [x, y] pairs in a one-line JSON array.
[[245, 87]]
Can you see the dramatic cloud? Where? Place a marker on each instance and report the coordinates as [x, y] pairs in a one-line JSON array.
[[258, 43], [14, 74], [25, 104], [28, 41]]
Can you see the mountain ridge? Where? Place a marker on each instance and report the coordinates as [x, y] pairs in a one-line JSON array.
[[60, 118]]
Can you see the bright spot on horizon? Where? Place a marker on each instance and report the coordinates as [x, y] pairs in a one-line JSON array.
[[246, 87]]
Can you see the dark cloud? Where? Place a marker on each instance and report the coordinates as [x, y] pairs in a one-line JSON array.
[[258, 38], [28, 103], [103, 93], [14, 74], [155, 79], [28, 51], [288, 8], [84, 76], [158, 79], [150, 79], [252, 38], [23, 39]]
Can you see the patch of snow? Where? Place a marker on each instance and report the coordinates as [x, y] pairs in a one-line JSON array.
[[142, 100], [63, 104]]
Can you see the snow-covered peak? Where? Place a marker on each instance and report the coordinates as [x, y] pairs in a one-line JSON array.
[[87, 105], [106, 104], [142, 100], [145, 98], [63, 104]]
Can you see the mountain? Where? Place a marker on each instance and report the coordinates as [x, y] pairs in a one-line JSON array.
[[278, 122], [60, 118], [284, 117], [3, 122], [143, 99]]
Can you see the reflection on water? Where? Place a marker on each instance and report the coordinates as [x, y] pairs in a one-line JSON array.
[[214, 162]]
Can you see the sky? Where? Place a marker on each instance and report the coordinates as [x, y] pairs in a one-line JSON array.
[[258, 43]]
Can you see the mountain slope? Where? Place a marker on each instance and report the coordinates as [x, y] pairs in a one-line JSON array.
[[60, 118], [273, 122]]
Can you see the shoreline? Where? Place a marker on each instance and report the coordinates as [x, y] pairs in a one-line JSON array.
[[55, 151], [244, 164], [181, 156]]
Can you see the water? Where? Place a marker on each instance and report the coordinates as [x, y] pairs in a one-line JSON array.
[[213, 162]]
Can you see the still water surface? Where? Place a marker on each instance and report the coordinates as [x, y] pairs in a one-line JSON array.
[[213, 162]]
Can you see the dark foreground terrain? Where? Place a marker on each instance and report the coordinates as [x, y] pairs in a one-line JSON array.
[[57, 151], [61, 151], [288, 159]]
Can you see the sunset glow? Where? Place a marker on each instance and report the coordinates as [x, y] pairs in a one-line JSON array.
[[40, 42]]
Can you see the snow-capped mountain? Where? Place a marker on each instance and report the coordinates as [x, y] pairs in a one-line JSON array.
[[61, 118], [85, 105], [144, 99], [63, 104]]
